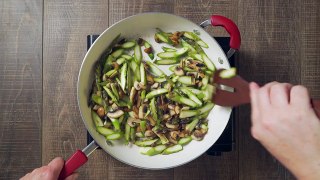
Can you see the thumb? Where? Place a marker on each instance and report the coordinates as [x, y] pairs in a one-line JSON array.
[[56, 165]]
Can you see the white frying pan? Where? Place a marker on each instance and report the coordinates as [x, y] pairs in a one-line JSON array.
[[143, 25]]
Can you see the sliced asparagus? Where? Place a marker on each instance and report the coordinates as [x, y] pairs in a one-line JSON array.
[[228, 73], [96, 119], [172, 149], [166, 61], [174, 54], [128, 44], [137, 53], [156, 93]]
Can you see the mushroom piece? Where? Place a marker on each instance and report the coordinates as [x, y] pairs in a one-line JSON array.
[[136, 85], [177, 109], [132, 122], [171, 106], [172, 112], [172, 126], [172, 140], [174, 134], [150, 79], [178, 71], [132, 94], [114, 106], [143, 109], [100, 112], [151, 120], [166, 117], [155, 86], [149, 133], [197, 135], [194, 74], [182, 134], [115, 114]]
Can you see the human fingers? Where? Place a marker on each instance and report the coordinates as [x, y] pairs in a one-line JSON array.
[[254, 87], [73, 176], [264, 95], [299, 96], [56, 165], [280, 94]]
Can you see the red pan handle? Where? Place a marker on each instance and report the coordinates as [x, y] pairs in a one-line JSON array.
[[73, 163], [230, 27]]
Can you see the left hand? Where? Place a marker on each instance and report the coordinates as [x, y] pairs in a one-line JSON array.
[[49, 172]]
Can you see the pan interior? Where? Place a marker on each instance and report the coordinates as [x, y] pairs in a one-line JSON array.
[[143, 25]]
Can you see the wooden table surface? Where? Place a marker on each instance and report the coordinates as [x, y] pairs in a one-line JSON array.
[[42, 44]]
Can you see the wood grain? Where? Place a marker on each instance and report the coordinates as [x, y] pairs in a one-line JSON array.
[[66, 25], [310, 45], [20, 87], [270, 52]]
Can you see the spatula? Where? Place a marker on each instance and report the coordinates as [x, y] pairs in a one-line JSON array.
[[241, 93]]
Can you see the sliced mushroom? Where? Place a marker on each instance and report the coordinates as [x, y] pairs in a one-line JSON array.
[[155, 86], [133, 122], [100, 112], [174, 134], [149, 133], [171, 106], [132, 94], [194, 74], [151, 120], [172, 126], [150, 79], [177, 109], [95, 107], [178, 71], [114, 106], [166, 117], [115, 114], [182, 134], [201, 74], [172, 112], [136, 85], [138, 98], [197, 135], [172, 140], [143, 109]]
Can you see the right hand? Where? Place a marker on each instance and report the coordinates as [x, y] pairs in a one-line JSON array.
[[287, 126]]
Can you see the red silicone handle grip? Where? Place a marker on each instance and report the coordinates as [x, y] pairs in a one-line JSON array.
[[230, 27], [73, 163]]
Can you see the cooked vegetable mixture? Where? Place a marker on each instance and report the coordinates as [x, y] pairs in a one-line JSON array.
[[132, 99]]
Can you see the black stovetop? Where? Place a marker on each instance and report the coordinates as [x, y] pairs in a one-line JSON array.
[[226, 141]]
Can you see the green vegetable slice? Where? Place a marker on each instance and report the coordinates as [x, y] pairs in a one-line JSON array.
[[156, 93], [96, 119], [228, 73], [180, 52], [185, 140], [166, 61], [172, 149], [128, 44], [137, 53], [123, 75]]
